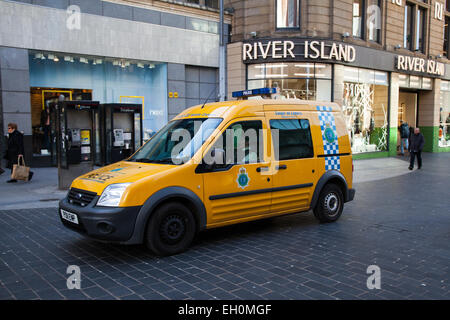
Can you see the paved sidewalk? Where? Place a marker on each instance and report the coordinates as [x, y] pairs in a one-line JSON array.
[[399, 224], [42, 191]]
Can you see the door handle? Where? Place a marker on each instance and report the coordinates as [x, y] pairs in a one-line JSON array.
[[261, 169], [282, 167]]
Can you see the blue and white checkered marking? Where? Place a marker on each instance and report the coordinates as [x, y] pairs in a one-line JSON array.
[[330, 138]]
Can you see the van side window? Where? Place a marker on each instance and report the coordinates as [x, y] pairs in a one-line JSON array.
[[242, 143], [294, 139]]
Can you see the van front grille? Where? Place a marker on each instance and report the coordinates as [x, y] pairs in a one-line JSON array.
[[80, 198]]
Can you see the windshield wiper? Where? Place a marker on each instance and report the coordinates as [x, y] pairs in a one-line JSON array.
[[143, 160], [167, 160]]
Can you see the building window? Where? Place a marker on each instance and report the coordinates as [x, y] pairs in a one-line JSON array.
[[212, 4], [288, 14], [447, 37], [448, 5], [305, 81], [420, 30], [444, 115], [358, 18], [408, 26], [374, 20], [414, 26], [365, 107]]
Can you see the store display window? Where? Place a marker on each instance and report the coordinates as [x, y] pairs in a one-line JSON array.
[[366, 107]]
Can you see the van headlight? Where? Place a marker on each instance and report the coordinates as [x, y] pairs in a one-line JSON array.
[[112, 194]]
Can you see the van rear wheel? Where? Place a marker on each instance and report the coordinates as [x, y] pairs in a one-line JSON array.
[[330, 205], [170, 230]]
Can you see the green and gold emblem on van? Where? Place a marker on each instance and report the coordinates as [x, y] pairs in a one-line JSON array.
[[243, 179], [329, 134]]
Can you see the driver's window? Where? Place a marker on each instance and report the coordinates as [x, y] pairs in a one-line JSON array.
[[242, 143]]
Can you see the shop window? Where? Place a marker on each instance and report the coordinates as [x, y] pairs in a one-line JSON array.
[[305, 81], [365, 106], [358, 18], [444, 115], [288, 14], [294, 139]]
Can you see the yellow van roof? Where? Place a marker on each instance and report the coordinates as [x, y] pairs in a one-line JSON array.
[[242, 108]]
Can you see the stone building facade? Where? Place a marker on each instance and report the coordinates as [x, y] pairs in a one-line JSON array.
[[163, 54], [384, 61]]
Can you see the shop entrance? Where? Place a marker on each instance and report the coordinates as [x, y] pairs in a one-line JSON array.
[[43, 116], [407, 111]]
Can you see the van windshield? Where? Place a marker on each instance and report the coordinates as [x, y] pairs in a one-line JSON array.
[[177, 142]]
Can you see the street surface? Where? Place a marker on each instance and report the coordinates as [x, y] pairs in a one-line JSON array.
[[399, 221]]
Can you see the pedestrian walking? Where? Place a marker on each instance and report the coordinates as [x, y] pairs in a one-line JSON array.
[[404, 136], [15, 149], [416, 144], [1, 155]]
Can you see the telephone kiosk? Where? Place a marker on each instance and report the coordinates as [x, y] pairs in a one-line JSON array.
[[78, 131], [122, 131]]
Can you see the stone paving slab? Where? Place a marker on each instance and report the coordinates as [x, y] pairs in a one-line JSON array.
[[400, 224]]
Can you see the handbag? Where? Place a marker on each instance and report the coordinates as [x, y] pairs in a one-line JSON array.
[[20, 170]]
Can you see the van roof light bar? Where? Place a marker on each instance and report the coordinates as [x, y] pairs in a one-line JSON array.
[[267, 93]]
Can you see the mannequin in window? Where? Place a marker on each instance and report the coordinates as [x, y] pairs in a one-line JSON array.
[[45, 124]]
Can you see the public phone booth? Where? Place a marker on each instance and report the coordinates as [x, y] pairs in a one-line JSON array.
[[121, 131], [78, 134]]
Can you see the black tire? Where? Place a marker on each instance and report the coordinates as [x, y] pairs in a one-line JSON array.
[[330, 204], [170, 230]]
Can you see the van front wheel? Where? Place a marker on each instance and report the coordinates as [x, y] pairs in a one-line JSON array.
[[170, 230], [330, 205]]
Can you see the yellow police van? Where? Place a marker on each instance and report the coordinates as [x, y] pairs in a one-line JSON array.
[[217, 165]]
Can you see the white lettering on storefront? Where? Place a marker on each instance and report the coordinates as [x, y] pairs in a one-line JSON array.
[[285, 50], [415, 64]]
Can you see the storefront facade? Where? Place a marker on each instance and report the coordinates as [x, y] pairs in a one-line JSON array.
[[378, 84], [163, 55]]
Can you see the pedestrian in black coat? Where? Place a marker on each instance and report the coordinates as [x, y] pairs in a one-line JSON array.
[[417, 142], [15, 148]]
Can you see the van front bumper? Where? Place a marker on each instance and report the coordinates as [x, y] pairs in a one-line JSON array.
[[101, 223]]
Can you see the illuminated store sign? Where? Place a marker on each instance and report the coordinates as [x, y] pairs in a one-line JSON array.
[[290, 50], [420, 65]]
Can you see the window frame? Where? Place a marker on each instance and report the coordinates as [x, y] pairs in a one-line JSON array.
[[310, 138], [289, 28], [379, 32], [203, 167], [447, 18], [425, 7], [363, 21]]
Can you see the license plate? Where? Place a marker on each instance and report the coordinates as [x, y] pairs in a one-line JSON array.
[[71, 217]]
